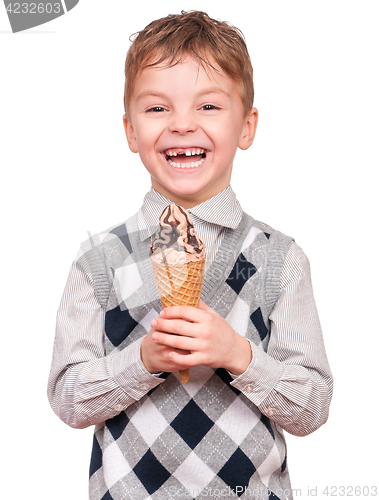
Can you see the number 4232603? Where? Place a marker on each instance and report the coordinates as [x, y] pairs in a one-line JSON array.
[[34, 8], [350, 491]]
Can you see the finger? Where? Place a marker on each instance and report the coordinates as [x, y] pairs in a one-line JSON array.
[[174, 341], [186, 360], [187, 313], [175, 326]]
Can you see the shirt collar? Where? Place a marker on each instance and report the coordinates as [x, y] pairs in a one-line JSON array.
[[223, 209]]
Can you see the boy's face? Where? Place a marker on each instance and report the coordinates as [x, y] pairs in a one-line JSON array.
[[186, 124]]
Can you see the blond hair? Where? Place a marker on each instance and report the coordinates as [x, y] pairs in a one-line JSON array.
[[169, 39]]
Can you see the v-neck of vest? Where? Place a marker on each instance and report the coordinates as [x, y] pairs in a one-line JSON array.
[[225, 258]]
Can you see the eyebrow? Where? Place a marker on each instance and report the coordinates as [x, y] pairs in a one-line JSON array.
[[149, 93], [213, 90], [154, 93]]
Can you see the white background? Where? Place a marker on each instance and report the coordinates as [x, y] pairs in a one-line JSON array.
[[66, 169]]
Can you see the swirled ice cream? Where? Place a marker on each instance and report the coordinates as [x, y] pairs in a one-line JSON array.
[[177, 241]]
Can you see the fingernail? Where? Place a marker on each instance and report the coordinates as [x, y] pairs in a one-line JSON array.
[[154, 323], [154, 336], [161, 313]]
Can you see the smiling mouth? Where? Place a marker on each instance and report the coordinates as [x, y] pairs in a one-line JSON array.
[[185, 157]]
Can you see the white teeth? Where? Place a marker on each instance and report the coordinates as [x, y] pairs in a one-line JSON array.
[[187, 152], [186, 165]]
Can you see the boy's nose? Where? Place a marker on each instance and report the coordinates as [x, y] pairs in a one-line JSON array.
[[182, 124]]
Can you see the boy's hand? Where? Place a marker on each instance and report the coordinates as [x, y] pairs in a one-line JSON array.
[[203, 337], [156, 357]]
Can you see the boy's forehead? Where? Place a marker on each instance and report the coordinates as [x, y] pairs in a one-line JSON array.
[[203, 74]]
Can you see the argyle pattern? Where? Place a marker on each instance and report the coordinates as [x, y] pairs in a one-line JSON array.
[[201, 439]]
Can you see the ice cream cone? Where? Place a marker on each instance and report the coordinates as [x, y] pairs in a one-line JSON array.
[[179, 285], [178, 257]]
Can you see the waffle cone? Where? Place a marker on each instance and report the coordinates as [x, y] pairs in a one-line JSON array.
[[179, 285]]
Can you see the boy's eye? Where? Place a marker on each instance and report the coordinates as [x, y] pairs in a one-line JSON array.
[[156, 109], [208, 107]]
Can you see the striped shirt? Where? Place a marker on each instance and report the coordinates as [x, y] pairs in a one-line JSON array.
[[210, 219], [86, 387]]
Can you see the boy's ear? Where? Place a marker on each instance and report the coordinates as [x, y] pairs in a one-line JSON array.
[[249, 129], [130, 135]]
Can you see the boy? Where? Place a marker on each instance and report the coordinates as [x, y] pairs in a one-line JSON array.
[[254, 345]]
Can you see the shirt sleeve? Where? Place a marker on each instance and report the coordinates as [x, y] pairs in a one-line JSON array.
[[291, 383], [85, 386]]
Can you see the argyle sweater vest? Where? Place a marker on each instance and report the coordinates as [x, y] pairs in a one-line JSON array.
[[205, 438]]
